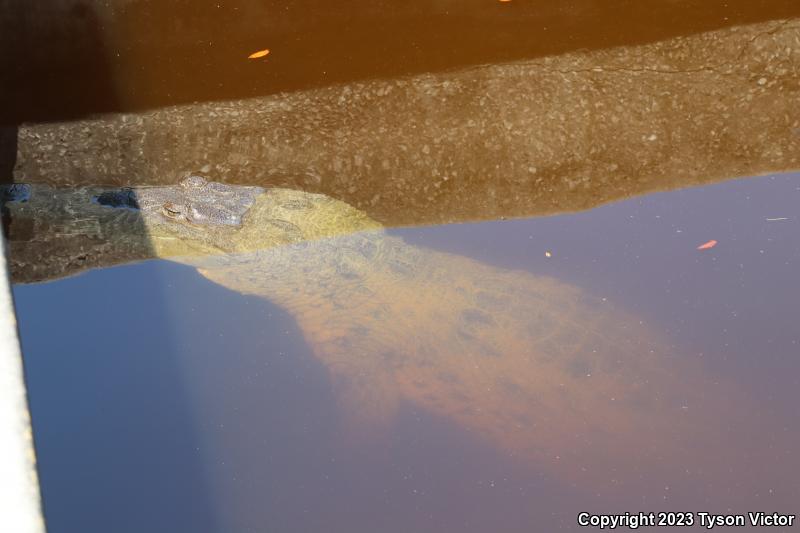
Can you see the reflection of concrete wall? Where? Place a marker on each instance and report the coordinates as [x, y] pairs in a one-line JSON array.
[[562, 133]]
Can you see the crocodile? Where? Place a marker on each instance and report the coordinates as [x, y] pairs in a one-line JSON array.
[[539, 368]]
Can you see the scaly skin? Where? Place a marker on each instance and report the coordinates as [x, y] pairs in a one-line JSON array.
[[197, 201]]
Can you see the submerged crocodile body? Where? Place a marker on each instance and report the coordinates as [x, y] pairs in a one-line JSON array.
[[539, 368]]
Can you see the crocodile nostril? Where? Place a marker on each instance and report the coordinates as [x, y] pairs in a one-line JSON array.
[[196, 214], [194, 182]]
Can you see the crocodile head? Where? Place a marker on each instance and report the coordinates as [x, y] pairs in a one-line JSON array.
[[199, 217], [194, 201]]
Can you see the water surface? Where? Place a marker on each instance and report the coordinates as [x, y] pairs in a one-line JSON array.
[[162, 401]]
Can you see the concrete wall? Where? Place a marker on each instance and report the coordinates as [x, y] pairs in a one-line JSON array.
[[20, 504]]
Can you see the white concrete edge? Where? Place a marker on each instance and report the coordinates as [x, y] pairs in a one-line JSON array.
[[20, 502]]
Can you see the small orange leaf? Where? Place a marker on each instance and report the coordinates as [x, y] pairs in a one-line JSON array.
[[260, 53], [708, 245]]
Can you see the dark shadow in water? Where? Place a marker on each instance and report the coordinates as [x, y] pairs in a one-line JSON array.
[[8, 158], [53, 60], [8, 153], [66, 58]]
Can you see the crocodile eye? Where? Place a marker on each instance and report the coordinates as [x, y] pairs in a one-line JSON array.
[[171, 210]]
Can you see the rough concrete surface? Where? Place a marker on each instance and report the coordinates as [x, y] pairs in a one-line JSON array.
[[528, 138]]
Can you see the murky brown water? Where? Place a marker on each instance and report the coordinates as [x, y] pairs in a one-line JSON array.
[[627, 371], [64, 58]]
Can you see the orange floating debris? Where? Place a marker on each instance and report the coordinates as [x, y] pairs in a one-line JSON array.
[[706, 246], [260, 53]]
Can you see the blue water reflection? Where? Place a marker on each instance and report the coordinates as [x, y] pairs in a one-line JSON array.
[[164, 402]]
